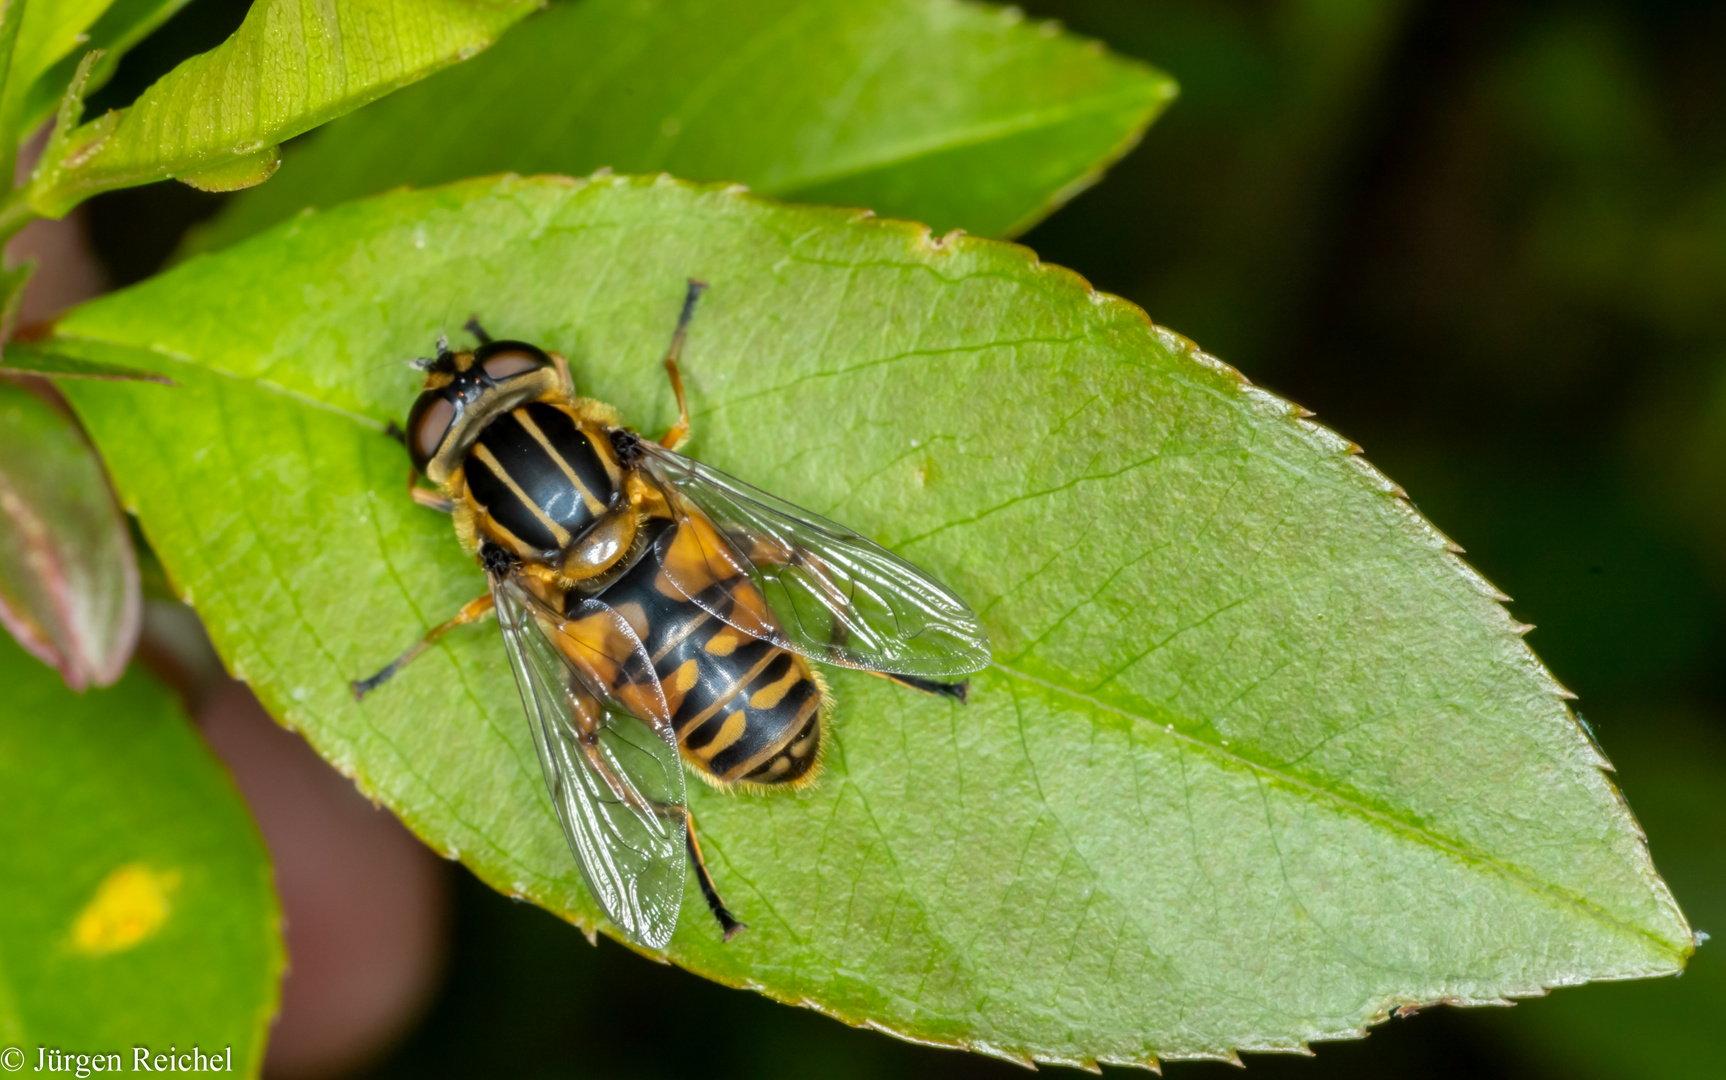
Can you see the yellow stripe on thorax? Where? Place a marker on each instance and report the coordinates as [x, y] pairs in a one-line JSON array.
[[558, 532], [594, 506]]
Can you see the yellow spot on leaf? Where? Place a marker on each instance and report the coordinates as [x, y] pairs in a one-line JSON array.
[[130, 905]]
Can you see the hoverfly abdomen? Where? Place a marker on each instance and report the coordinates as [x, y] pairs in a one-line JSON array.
[[738, 704], [538, 476], [763, 714]]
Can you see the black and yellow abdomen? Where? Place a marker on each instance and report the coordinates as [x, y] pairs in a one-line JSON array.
[[745, 710]]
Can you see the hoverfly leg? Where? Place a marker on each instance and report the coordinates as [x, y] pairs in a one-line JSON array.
[[473, 327], [674, 438], [588, 737], [472, 611], [393, 431], [959, 691], [431, 500], [728, 924]]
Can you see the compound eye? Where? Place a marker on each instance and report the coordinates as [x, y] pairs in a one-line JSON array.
[[514, 362], [430, 423]]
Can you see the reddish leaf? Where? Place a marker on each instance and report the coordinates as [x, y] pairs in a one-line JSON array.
[[68, 577]]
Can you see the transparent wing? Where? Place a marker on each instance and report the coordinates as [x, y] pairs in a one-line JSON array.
[[838, 597], [609, 792]]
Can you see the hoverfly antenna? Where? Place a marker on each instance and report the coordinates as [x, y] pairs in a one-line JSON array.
[[420, 363], [443, 352]]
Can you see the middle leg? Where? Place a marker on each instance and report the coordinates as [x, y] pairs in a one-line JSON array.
[[771, 552]]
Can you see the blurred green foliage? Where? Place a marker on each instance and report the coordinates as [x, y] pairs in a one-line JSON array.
[[152, 911], [1485, 241], [954, 115]]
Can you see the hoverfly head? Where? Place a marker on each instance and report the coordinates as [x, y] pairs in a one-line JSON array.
[[468, 385]]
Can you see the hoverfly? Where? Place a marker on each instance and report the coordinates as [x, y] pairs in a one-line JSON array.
[[655, 609]]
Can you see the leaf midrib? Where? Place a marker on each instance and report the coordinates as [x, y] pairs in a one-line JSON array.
[[1454, 848], [1451, 847], [933, 145]]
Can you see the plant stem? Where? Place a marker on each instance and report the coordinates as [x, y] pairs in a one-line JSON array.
[[15, 213]]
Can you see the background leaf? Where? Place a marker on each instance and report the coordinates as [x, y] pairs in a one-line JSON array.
[[959, 115], [135, 899], [23, 358], [68, 578], [49, 30], [292, 65], [1261, 759], [123, 25]]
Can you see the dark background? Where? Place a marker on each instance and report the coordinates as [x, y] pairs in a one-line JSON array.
[[1487, 242]]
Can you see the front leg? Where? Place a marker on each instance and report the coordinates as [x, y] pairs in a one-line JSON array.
[[431, 500], [679, 432]]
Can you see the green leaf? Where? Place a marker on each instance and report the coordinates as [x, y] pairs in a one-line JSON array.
[[49, 30], [291, 66], [68, 578], [959, 115], [135, 901], [11, 20], [123, 25], [237, 173], [26, 358], [1659, 1030], [1260, 759]]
